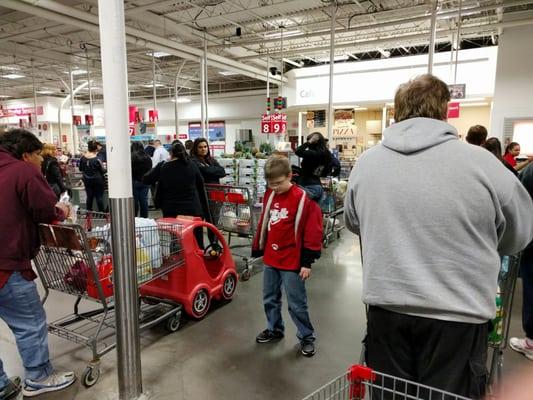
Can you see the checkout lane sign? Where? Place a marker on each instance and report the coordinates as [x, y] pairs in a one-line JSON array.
[[274, 123]]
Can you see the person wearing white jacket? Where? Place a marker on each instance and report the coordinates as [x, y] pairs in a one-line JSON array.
[[434, 215], [160, 153]]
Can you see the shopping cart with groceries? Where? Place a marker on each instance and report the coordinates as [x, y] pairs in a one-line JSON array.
[[332, 205], [361, 382], [75, 259], [236, 210]]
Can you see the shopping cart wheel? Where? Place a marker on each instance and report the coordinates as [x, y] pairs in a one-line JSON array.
[[245, 275], [326, 243], [200, 304], [90, 376], [173, 323], [230, 284]]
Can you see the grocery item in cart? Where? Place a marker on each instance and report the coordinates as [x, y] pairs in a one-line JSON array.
[[105, 277], [76, 277]]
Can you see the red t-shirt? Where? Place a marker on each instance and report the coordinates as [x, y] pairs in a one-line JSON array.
[[281, 241], [510, 159]]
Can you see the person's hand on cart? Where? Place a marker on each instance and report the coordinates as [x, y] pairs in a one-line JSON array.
[[305, 273], [65, 207]]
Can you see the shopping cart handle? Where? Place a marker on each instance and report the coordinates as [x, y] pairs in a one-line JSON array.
[[360, 372]]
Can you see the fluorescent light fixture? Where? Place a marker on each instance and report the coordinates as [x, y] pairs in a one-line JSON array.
[[480, 104], [13, 76], [4, 96], [277, 34], [384, 53], [342, 57], [360, 109], [11, 67], [469, 99], [149, 85], [45, 91], [228, 73], [182, 100], [296, 64], [158, 54], [77, 72], [352, 56]]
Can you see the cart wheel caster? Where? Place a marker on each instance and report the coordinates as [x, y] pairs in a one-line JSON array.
[[229, 286], [90, 376], [338, 234], [326, 243], [245, 275], [173, 323], [200, 304]]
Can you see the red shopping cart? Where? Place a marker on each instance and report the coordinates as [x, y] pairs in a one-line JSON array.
[[361, 382]]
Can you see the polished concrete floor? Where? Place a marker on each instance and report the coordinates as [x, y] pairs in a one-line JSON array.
[[217, 358]]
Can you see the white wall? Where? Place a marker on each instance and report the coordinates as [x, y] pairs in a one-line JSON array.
[[513, 94]]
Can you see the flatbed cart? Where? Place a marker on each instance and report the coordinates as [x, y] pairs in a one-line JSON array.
[[75, 259], [234, 210], [361, 382], [498, 338], [332, 206]]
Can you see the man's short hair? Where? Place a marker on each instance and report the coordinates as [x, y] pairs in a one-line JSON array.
[[277, 166], [20, 141], [157, 141], [477, 135], [424, 96]]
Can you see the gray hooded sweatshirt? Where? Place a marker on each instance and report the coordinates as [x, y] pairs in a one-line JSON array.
[[434, 215]]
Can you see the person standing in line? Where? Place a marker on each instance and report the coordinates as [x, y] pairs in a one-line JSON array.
[[141, 163], [101, 153], [209, 167], [52, 171], [494, 146], [477, 135], [149, 149], [93, 177], [289, 237], [432, 238], [160, 153], [189, 144], [511, 152], [26, 201]]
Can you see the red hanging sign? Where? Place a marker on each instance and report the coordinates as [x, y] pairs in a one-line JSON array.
[[76, 120], [274, 123], [454, 110], [89, 119], [153, 115]]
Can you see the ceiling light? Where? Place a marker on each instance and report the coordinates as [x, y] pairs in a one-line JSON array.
[[158, 54], [296, 64], [13, 76], [352, 56], [342, 57], [77, 72], [480, 104], [277, 34], [384, 53], [45, 91], [4, 96], [182, 100], [149, 85], [228, 73], [11, 67], [360, 109]]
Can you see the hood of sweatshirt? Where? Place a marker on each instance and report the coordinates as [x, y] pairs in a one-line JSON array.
[[417, 134], [6, 158]]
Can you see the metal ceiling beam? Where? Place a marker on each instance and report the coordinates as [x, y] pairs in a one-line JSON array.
[[69, 15]]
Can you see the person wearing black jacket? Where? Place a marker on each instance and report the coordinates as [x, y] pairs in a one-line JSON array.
[[93, 177], [51, 170], [316, 160], [141, 163], [209, 167]]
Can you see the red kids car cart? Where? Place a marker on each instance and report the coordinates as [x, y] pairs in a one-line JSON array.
[[207, 272]]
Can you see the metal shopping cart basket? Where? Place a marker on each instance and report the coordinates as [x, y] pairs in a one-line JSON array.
[[361, 382], [76, 259], [234, 210], [332, 205]]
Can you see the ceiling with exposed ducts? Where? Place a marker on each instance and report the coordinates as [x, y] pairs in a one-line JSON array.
[[42, 40]]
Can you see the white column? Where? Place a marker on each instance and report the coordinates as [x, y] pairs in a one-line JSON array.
[[73, 129], [115, 85], [432, 33], [331, 68]]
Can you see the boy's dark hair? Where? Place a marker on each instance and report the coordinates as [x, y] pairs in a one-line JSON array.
[[277, 166], [477, 135], [20, 141], [92, 146]]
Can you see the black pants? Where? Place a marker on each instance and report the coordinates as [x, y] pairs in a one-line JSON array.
[[95, 190], [450, 356], [526, 272]]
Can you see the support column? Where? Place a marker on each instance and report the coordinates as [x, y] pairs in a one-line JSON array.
[[202, 96], [206, 95], [176, 79], [433, 34], [115, 85], [91, 110], [73, 130], [34, 122], [331, 68]]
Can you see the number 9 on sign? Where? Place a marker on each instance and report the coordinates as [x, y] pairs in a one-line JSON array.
[[276, 128]]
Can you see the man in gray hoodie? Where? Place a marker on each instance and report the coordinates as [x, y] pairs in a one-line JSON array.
[[434, 215]]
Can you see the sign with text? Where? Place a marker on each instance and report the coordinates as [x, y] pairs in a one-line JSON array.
[[19, 111], [274, 123], [217, 130], [454, 110]]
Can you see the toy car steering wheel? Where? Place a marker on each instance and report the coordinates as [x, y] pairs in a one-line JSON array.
[[213, 250]]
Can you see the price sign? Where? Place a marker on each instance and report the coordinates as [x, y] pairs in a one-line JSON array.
[[274, 123]]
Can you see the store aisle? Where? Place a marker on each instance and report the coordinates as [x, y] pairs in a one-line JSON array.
[[217, 358]]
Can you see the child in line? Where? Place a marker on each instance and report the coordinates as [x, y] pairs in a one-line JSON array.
[[289, 237]]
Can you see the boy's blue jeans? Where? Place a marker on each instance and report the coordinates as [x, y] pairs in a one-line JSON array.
[[22, 311], [294, 287]]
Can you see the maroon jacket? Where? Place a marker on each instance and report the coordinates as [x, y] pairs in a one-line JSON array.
[[25, 200]]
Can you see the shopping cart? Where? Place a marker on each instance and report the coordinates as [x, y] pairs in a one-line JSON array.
[[504, 302], [332, 205], [75, 259], [236, 211], [361, 382]]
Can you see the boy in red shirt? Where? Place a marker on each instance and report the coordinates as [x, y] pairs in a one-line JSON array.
[[289, 237]]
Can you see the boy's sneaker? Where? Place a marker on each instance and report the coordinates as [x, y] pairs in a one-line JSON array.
[[11, 390], [269, 336], [522, 345], [307, 348], [54, 382]]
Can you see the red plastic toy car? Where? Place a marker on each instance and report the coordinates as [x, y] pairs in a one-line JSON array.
[[207, 273]]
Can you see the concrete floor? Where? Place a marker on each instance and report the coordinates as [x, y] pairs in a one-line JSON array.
[[217, 358]]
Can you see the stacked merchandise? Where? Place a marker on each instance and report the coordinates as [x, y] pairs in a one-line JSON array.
[[230, 166], [252, 175]]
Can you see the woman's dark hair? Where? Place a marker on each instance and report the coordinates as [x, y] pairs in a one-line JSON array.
[[20, 141], [92, 146], [494, 146], [178, 152], [510, 147], [137, 147], [322, 145], [194, 151]]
